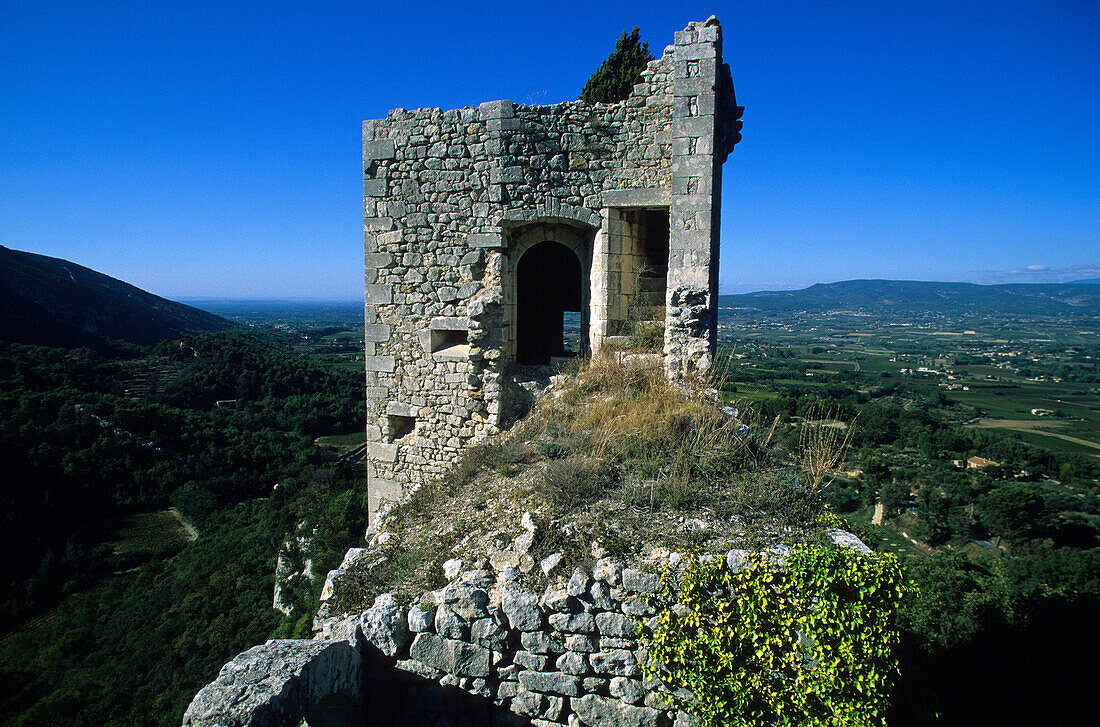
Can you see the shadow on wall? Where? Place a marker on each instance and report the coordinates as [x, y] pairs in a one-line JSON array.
[[396, 697], [286, 682]]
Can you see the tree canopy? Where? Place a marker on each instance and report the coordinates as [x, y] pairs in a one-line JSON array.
[[616, 76]]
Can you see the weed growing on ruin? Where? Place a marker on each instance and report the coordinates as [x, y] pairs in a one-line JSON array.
[[573, 482], [821, 445]]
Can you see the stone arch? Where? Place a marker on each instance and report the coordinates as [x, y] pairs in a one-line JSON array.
[[567, 243]]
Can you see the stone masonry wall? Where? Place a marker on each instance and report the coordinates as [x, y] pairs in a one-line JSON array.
[[568, 656], [454, 199], [484, 650]]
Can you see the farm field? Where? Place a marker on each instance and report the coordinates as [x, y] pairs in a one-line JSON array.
[[1038, 379]]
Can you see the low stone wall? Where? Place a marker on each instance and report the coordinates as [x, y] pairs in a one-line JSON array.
[[569, 656], [480, 651]]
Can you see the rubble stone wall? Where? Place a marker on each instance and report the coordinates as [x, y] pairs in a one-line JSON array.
[[483, 650], [570, 656], [454, 199]]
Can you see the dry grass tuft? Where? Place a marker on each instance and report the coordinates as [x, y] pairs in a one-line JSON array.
[[821, 445], [675, 437]]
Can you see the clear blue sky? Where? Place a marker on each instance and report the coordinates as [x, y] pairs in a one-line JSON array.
[[213, 149]]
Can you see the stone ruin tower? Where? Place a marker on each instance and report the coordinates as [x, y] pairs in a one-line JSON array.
[[500, 238]]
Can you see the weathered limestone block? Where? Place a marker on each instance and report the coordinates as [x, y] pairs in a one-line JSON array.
[[573, 623], [538, 705], [584, 643], [610, 623], [550, 683], [571, 663], [451, 655], [578, 583], [487, 632], [641, 582], [450, 625], [617, 662], [468, 602], [609, 571], [558, 599], [529, 660], [635, 606], [385, 626], [628, 690], [421, 619], [420, 669], [597, 710], [600, 596], [279, 684], [522, 609]]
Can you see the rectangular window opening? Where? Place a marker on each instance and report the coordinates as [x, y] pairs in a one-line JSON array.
[[450, 342], [653, 279], [402, 429]]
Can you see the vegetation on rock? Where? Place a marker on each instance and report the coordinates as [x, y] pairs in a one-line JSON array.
[[809, 638]]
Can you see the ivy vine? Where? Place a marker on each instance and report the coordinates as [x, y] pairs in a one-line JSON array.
[[809, 642]]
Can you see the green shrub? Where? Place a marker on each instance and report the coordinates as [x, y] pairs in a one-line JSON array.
[[811, 643], [615, 78], [646, 337]]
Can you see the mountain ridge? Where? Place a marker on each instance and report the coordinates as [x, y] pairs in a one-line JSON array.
[[898, 296], [54, 302]]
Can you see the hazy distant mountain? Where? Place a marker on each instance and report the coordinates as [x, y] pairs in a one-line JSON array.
[[1086, 281], [54, 302], [910, 296]]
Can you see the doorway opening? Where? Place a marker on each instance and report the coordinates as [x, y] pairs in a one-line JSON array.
[[651, 249], [548, 285]]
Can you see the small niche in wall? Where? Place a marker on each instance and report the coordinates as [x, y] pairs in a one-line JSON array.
[[452, 343], [402, 429]]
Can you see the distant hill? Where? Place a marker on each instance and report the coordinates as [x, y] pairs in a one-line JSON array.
[[1086, 281], [910, 296], [53, 302]]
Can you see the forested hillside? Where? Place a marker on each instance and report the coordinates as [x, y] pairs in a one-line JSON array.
[[100, 633]]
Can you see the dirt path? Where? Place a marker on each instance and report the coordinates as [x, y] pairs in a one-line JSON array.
[[192, 534]]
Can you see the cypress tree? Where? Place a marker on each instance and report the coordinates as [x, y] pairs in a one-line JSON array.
[[616, 76]]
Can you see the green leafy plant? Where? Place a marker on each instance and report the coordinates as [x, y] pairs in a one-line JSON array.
[[811, 642]]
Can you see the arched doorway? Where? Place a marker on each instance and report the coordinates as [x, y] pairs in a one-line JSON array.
[[548, 283]]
